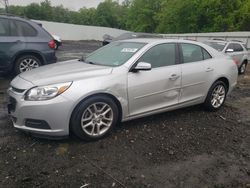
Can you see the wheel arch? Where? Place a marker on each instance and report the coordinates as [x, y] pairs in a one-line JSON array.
[[117, 102], [223, 79], [33, 52]]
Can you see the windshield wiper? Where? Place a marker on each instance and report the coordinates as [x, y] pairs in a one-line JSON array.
[[90, 62]]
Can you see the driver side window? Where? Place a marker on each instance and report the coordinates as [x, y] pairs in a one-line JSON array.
[[160, 55]]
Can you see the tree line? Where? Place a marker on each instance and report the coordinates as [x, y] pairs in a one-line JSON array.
[[152, 16]]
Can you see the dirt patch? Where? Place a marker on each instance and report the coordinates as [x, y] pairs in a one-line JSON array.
[[183, 148]]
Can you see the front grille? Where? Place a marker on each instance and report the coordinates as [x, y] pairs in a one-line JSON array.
[[12, 104]]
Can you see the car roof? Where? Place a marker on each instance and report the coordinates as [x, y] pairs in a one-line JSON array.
[[160, 40], [155, 41], [10, 16]]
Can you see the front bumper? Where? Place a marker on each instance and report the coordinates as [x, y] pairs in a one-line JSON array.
[[49, 118]]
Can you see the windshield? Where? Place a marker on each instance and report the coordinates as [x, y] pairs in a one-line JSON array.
[[216, 45], [114, 54]]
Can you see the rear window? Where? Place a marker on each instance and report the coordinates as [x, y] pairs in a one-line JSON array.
[[216, 45]]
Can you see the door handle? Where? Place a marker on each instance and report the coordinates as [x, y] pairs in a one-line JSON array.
[[209, 69], [174, 77]]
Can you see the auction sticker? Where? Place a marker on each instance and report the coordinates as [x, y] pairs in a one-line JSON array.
[[129, 50]]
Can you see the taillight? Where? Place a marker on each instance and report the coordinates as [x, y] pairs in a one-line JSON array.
[[51, 44]]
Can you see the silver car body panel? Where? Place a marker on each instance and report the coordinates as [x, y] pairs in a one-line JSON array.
[[139, 94]]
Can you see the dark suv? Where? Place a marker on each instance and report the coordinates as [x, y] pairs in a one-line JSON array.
[[24, 45]]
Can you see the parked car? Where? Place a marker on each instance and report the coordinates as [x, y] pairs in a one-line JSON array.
[[120, 81], [58, 41], [24, 45], [235, 49], [129, 35]]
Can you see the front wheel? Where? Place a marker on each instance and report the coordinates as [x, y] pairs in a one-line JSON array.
[[216, 96], [94, 118]]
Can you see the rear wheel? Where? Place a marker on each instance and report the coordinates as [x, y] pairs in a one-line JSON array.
[[216, 96], [26, 63], [94, 118], [243, 68]]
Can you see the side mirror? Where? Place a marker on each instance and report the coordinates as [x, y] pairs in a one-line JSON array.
[[229, 50], [142, 66]]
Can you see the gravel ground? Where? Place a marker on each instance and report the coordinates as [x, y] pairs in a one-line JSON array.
[[183, 148]]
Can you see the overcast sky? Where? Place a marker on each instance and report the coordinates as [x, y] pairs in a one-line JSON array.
[[71, 4]]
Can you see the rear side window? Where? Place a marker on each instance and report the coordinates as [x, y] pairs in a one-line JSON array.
[[4, 27], [19, 28], [194, 53], [160, 55], [191, 53], [13, 29]]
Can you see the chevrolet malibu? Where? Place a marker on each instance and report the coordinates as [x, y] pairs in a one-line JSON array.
[[121, 81]]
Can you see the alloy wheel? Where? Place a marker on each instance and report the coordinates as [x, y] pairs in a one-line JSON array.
[[28, 64], [97, 119], [218, 96]]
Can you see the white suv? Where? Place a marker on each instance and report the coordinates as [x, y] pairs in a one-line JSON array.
[[236, 49]]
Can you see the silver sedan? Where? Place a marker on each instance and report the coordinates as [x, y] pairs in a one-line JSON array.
[[121, 81]]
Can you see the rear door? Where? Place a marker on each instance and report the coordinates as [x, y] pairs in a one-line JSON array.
[[5, 42], [197, 72], [12, 42], [159, 87]]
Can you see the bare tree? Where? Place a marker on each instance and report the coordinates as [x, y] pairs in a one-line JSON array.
[[6, 4]]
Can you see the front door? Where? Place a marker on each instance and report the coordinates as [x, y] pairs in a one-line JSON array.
[[159, 87]]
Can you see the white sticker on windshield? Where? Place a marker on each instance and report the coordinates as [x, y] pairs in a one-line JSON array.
[[129, 50]]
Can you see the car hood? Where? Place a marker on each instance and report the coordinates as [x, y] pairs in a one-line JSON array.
[[64, 72]]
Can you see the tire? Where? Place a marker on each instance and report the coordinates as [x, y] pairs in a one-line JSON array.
[[216, 97], [26, 62], [242, 68], [86, 118]]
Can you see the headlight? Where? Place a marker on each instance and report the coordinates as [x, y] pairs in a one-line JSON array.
[[42, 93]]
